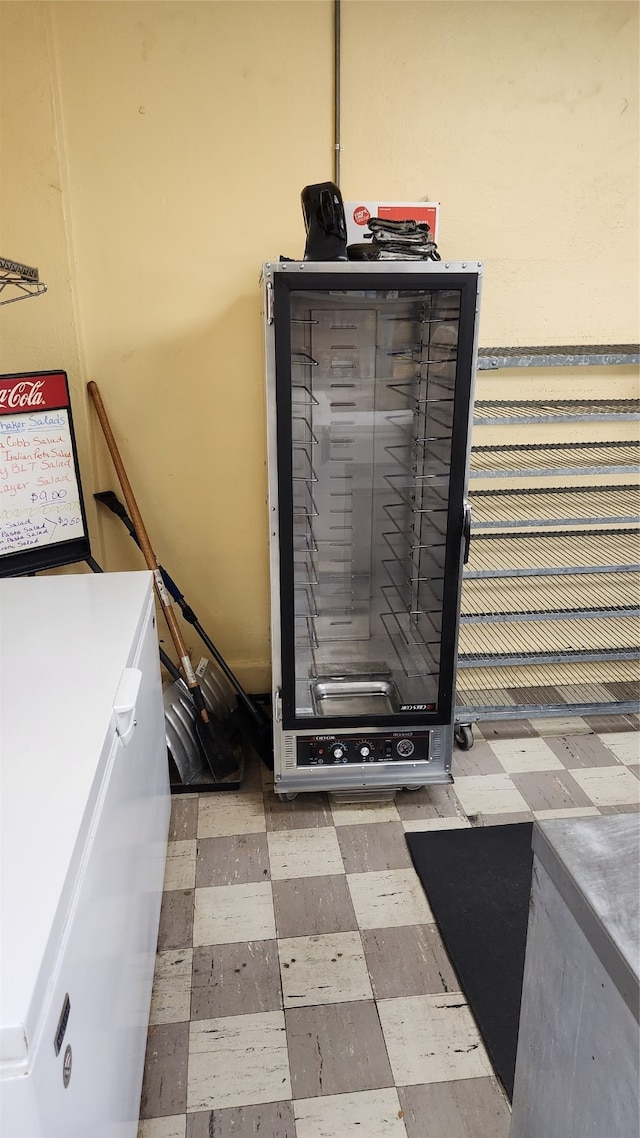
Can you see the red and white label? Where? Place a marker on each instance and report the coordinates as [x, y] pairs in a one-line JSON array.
[[37, 392], [361, 215]]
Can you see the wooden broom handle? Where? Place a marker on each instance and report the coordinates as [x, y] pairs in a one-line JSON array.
[[141, 533]]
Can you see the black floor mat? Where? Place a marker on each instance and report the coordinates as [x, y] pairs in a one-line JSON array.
[[478, 882]]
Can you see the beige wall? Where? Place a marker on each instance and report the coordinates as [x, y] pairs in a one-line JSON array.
[[152, 156]]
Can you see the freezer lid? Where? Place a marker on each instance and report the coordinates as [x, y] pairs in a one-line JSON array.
[[64, 642]]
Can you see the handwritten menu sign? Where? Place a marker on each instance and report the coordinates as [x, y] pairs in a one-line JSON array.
[[42, 517]]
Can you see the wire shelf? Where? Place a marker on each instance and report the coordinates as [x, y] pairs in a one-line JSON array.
[[554, 552], [416, 658], [559, 640], [531, 691], [545, 597], [547, 675], [559, 355], [560, 506], [550, 618], [496, 411], [556, 458], [21, 281]]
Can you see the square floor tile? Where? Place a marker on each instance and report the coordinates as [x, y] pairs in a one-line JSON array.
[[507, 729], [506, 819], [489, 794], [184, 817], [624, 744], [551, 790], [577, 751], [409, 960], [481, 759], [432, 1039], [237, 1061], [609, 786], [368, 1114], [325, 969], [392, 897], [306, 812], [266, 1120], [224, 814], [172, 1126], [603, 724], [304, 853], [171, 996], [517, 755], [232, 860], [180, 866], [381, 845], [335, 1049], [235, 979], [567, 812], [225, 914], [418, 825], [164, 1087], [176, 919], [362, 813], [560, 725], [308, 905], [466, 1108], [429, 802]]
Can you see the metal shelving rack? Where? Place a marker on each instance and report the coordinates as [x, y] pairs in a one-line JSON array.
[[550, 614]]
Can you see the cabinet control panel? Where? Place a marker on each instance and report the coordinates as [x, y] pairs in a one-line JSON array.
[[334, 750]]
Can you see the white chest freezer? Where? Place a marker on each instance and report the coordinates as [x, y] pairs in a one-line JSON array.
[[84, 813]]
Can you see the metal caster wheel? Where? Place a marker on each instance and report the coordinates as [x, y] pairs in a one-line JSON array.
[[463, 736], [288, 797]]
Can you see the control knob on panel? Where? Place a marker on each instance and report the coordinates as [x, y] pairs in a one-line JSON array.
[[364, 750], [338, 752]]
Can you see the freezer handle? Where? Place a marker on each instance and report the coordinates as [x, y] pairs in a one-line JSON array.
[[124, 706], [466, 532]]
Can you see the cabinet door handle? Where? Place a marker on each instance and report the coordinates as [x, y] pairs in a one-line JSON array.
[[466, 532], [124, 705]]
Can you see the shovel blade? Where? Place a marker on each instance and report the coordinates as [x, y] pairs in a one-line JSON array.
[[216, 749]]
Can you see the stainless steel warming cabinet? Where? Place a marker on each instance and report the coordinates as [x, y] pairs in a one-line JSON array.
[[370, 372]]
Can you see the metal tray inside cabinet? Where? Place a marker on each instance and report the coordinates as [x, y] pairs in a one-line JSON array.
[[347, 695]]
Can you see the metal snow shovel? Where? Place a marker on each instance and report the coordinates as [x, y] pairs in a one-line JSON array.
[[215, 746], [253, 722]]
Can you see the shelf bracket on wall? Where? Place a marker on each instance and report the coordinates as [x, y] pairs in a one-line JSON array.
[[19, 278]]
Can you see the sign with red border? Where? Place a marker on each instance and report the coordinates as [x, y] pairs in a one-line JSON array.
[[42, 516], [33, 393]]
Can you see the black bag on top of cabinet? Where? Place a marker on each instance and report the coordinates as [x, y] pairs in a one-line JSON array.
[[325, 223]]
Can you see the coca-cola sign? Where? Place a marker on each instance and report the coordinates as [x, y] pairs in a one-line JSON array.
[[35, 392]]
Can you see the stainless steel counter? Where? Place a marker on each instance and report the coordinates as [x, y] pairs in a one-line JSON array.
[[578, 1064]]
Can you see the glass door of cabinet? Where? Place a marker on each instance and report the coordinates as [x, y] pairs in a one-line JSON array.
[[373, 389]]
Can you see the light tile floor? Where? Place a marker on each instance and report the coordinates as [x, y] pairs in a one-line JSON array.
[[302, 989]]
